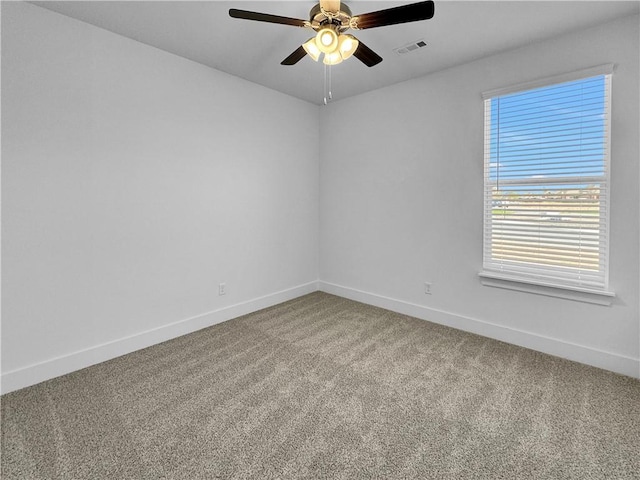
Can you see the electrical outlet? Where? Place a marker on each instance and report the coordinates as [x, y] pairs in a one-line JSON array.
[[427, 288], [222, 288]]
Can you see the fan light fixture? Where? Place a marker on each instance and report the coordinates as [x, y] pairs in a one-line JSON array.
[[347, 45], [336, 47], [312, 49], [332, 58], [327, 40]]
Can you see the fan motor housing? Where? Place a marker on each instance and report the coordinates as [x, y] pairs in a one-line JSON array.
[[340, 19]]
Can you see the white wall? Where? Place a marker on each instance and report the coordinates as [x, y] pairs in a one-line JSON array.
[[402, 202], [134, 181]]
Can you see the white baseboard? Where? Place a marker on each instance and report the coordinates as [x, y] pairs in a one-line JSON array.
[[55, 367], [559, 348], [24, 377]]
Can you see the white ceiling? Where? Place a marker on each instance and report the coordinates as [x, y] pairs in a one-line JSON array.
[[459, 32]]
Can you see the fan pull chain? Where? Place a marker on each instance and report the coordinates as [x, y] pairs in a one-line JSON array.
[[328, 96], [324, 91]]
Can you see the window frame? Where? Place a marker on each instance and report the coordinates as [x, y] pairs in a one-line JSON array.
[[514, 280]]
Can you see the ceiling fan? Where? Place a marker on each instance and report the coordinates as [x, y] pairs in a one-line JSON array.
[[330, 19]]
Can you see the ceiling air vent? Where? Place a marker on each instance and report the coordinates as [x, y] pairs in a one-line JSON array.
[[410, 47]]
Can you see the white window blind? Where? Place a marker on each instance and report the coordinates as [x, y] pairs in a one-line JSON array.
[[546, 178]]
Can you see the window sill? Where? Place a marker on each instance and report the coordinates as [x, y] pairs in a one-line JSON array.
[[498, 280]]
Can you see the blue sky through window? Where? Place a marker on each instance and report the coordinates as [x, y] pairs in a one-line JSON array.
[[549, 133]]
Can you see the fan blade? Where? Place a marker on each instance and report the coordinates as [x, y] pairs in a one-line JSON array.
[[297, 55], [392, 16], [366, 55], [265, 17], [330, 5]]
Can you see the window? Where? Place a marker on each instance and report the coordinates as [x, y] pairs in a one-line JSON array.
[[546, 182]]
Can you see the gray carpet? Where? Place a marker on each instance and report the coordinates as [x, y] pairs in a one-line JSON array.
[[323, 387]]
